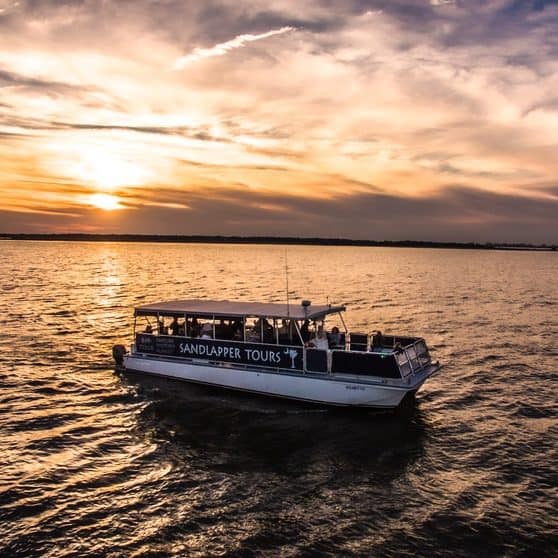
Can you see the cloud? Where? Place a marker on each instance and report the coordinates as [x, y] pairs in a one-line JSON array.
[[456, 213], [12, 79], [378, 108], [222, 48]]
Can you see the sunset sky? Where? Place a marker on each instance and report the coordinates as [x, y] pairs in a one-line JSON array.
[[380, 119]]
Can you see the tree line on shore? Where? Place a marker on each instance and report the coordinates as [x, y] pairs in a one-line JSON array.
[[287, 240]]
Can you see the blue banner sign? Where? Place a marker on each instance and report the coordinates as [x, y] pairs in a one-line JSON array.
[[254, 354]]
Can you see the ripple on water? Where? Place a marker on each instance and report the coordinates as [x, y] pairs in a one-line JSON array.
[[95, 464]]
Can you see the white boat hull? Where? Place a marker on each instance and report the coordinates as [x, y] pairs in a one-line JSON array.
[[327, 390]]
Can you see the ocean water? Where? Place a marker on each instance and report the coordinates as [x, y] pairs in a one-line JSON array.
[[99, 464]]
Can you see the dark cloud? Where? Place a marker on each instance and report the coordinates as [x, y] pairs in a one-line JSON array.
[[548, 189], [11, 79], [214, 21], [517, 7], [12, 135], [221, 167], [550, 105], [41, 221], [488, 23], [198, 133], [455, 214], [194, 133]]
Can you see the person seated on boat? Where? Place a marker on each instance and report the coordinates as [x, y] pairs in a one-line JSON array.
[[320, 340], [268, 332], [253, 334], [230, 329], [174, 326], [237, 330], [194, 328], [334, 338], [377, 341], [224, 329], [163, 329], [206, 332]]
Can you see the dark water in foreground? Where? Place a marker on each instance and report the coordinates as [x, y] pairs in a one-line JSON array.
[[94, 464]]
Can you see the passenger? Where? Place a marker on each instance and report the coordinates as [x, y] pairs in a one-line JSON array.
[[268, 333], [221, 330], [174, 326], [206, 332], [194, 328], [237, 329], [163, 329], [320, 341], [377, 341], [253, 334], [148, 328], [334, 338], [304, 331]]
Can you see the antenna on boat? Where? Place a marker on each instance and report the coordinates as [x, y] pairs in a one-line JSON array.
[[287, 283]]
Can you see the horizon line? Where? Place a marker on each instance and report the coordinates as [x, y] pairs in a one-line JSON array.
[[256, 239]]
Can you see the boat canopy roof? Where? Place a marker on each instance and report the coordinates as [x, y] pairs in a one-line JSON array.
[[237, 309]]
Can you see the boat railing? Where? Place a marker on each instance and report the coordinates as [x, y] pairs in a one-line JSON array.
[[411, 353], [413, 357], [359, 341]]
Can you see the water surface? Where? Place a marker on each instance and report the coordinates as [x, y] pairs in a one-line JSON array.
[[95, 464]]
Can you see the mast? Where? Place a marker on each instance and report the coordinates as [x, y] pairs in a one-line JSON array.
[[287, 283]]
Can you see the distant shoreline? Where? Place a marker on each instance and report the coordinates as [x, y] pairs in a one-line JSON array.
[[292, 241]]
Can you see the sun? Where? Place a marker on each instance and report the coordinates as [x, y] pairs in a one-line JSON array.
[[105, 201]]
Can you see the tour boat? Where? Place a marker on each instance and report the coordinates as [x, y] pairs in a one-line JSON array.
[[282, 350]]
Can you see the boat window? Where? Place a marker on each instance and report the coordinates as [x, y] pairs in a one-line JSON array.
[[193, 326], [229, 329], [146, 324], [205, 328], [260, 330], [171, 325], [287, 332], [253, 330]]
